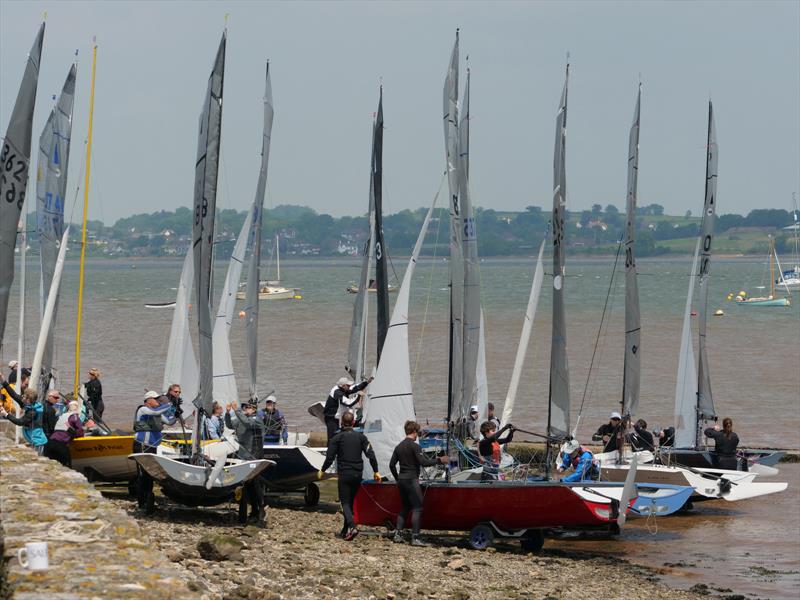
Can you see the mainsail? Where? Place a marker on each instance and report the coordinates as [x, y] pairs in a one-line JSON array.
[[686, 384], [524, 338], [254, 270], [705, 401], [558, 419], [181, 365], [14, 162], [205, 196], [632, 367], [381, 271], [51, 188], [450, 120], [391, 403]]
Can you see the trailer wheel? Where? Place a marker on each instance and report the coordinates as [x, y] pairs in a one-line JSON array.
[[242, 507], [481, 536], [533, 540], [311, 494]]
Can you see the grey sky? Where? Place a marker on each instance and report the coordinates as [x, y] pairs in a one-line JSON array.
[[327, 60]]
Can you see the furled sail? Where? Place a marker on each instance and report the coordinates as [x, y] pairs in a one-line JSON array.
[[391, 403], [481, 397], [632, 367], [558, 416], [254, 271], [381, 270], [686, 384], [14, 162], [705, 401], [181, 366], [224, 381], [205, 200], [450, 121], [474, 350], [51, 190], [524, 338]]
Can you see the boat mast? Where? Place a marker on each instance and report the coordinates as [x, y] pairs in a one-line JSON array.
[[705, 401], [83, 228], [278, 256], [23, 238], [381, 270], [558, 395]]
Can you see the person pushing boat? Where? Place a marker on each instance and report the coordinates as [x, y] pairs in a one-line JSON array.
[[346, 448], [408, 454], [340, 395], [148, 421]]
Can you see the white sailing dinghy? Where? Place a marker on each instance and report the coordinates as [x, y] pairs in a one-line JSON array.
[[185, 479], [271, 289], [707, 483]]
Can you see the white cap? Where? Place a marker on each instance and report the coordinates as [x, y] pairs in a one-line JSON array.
[[271, 398], [474, 408], [570, 446], [13, 364], [151, 394], [615, 415], [344, 381]]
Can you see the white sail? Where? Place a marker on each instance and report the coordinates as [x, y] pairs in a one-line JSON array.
[[481, 383], [49, 308], [225, 390], [686, 384], [181, 366], [524, 338], [391, 403]]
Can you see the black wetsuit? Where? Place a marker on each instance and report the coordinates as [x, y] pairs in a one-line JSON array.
[[336, 396], [346, 447], [410, 457], [486, 447], [611, 431], [94, 396], [724, 448], [641, 439]]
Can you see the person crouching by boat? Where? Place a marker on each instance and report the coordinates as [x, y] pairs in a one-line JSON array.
[[275, 428], [641, 439], [94, 394], [725, 444], [32, 415], [339, 395], [249, 428], [214, 425], [410, 457], [489, 449], [67, 428], [581, 460], [148, 421], [346, 448]]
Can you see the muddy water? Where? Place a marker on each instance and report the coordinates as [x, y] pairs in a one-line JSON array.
[[751, 547]]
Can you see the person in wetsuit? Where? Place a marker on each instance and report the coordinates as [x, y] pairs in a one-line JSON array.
[[94, 394], [607, 433], [410, 457], [340, 394], [489, 448], [725, 444], [641, 439], [346, 448]]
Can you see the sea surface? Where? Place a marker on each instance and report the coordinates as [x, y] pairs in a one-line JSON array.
[[754, 356]]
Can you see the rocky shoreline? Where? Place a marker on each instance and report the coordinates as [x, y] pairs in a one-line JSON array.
[[297, 556]]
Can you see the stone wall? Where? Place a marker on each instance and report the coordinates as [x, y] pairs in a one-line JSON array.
[[96, 550]]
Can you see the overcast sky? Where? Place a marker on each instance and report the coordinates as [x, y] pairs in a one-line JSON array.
[[328, 58]]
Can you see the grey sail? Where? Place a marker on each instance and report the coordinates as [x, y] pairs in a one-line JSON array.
[[471, 322], [632, 367], [14, 161], [558, 420], [450, 122], [705, 401], [51, 189], [381, 270], [254, 268], [205, 199]]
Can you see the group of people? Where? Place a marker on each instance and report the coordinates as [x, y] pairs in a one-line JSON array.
[[49, 421], [611, 435]]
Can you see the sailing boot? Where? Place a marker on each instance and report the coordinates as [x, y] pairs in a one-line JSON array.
[[398, 537], [416, 541]]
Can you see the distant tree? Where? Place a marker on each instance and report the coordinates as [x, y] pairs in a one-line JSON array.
[[768, 217], [597, 210], [688, 214], [612, 210], [586, 216]]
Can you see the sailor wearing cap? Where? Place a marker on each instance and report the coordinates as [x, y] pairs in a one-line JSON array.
[[339, 394], [275, 427], [608, 432], [473, 431], [148, 421], [580, 459], [249, 429]]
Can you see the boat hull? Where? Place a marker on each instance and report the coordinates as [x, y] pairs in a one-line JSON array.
[[704, 459], [765, 302], [511, 506], [103, 458], [273, 294], [295, 466]]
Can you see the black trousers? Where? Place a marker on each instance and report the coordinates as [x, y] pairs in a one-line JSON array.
[[331, 424], [144, 483], [348, 488], [59, 451], [254, 492], [411, 497]]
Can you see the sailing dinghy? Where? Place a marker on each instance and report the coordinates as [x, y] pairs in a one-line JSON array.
[[188, 480]]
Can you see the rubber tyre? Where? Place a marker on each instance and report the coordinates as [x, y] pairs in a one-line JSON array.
[[311, 495], [242, 509], [533, 540], [481, 537]]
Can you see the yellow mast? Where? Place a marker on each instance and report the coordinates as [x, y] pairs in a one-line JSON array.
[[83, 231]]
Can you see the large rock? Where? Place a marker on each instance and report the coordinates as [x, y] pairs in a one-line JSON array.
[[220, 547]]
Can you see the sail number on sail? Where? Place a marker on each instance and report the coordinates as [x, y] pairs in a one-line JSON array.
[[15, 168]]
